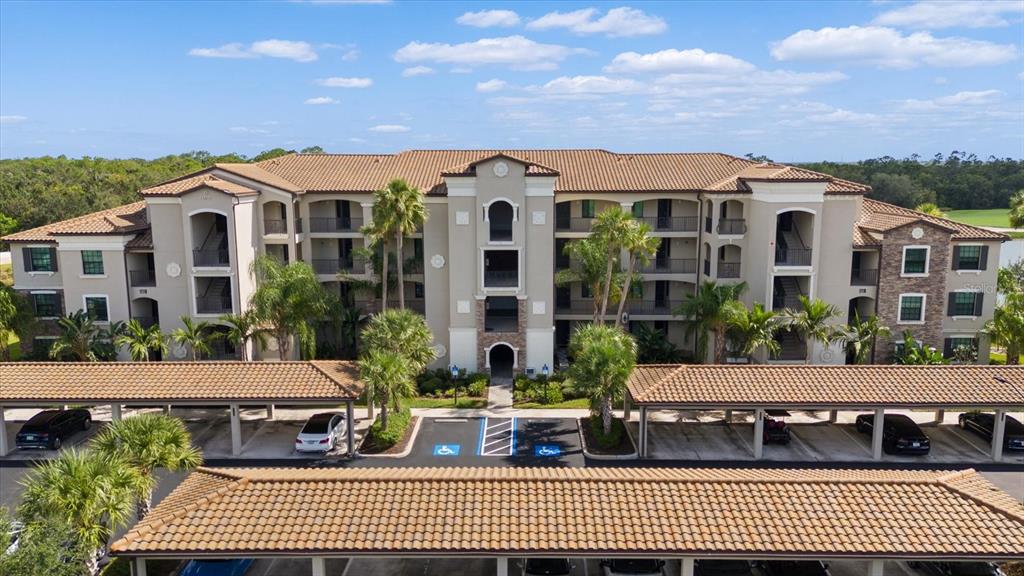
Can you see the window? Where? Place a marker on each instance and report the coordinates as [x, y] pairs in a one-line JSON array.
[[911, 308], [915, 260], [42, 260], [965, 303], [638, 209], [585, 291], [636, 290], [952, 344], [589, 208], [968, 258], [92, 262], [417, 290], [96, 308], [46, 305]]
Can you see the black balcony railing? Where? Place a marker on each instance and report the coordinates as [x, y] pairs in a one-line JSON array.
[[413, 266], [585, 306], [792, 256], [501, 278], [671, 223], [142, 278], [335, 224], [728, 269], [371, 306], [864, 277], [298, 225], [652, 307], [211, 257], [671, 266], [707, 224], [732, 226], [274, 226], [213, 304], [336, 265], [573, 224]]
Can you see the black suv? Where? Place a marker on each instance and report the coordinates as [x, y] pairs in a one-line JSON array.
[[900, 435], [957, 568], [983, 423], [722, 568], [793, 568], [49, 428]]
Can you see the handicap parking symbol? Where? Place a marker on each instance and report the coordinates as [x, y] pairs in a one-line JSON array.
[[446, 449], [547, 450]]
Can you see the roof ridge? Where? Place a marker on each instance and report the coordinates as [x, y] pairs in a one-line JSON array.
[[316, 364], [983, 500], [946, 222]]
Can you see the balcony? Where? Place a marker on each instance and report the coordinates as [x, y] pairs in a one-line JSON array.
[[652, 307], [792, 256], [142, 278], [734, 226], [573, 224], [298, 225], [417, 305], [501, 278], [671, 223], [584, 306], [864, 277], [728, 269], [671, 266], [213, 304], [275, 226], [211, 258], [335, 225], [338, 265], [413, 267]]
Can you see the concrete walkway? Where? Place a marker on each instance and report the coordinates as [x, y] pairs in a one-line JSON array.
[[499, 394]]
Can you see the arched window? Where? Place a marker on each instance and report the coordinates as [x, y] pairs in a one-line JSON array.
[[500, 215]]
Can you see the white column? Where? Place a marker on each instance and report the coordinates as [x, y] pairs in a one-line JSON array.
[[877, 568], [3, 433], [643, 431], [140, 567], [270, 411], [627, 407], [350, 422], [319, 567], [833, 416], [877, 426], [758, 434], [998, 435], [728, 416], [115, 412], [686, 567], [940, 415], [167, 409], [502, 568], [236, 431]]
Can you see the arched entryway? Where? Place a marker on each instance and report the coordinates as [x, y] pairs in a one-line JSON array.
[[501, 359]]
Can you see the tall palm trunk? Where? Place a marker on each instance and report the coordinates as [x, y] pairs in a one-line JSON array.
[[144, 505], [384, 276], [625, 291], [1012, 355], [383, 415], [401, 270], [597, 306], [607, 288], [606, 414], [719, 343]]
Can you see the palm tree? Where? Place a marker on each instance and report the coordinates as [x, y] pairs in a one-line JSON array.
[[288, 299], [640, 247], [388, 378], [79, 338], [754, 328], [610, 228], [1006, 328], [93, 492], [916, 354], [16, 319], [931, 209], [242, 329], [604, 357], [386, 209], [409, 215], [148, 442], [860, 336], [704, 312], [140, 341], [351, 319], [588, 259], [813, 322], [1017, 209], [402, 332], [195, 336]]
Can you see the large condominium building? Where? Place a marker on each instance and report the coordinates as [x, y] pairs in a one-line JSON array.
[[482, 269]]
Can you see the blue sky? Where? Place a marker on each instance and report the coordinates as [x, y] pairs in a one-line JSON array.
[[796, 81]]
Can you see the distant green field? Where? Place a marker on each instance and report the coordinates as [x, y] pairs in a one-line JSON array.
[[998, 217]]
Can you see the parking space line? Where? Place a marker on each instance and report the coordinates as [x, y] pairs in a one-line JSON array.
[[793, 436], [497, 437], [480, 441], [969, 441], [856, 439]]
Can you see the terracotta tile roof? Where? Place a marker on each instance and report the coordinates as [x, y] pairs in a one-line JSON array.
[[255, 172], [579, 170], [881, 216], [469, 168], [862, 237], [794, 386], [190, 183], [86, 382], [120, 220], [143, 241], [582, 511]]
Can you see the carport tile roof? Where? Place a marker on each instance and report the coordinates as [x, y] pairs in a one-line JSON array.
[[24, 382], [792, 386], [582, 511]]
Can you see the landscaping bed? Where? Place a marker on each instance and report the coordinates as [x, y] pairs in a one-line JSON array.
[[617, 443], [394, 439]]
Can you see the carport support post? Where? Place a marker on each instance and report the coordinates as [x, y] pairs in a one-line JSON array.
[[833, 416], [270, 411], [876, 568], [139, 569], [686, 567], [728, 416], [877, 426], [627, 407], [115, 412], [998, 435], [940, 415], [643, 431], [3, 433], [350, 422], [758, 433], [502, 566], [236, 431], [319, 567]]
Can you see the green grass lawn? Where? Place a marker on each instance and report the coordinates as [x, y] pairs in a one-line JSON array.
[[1001, 357], [7, 274], [575, 403], [998, 217], [464, 402]]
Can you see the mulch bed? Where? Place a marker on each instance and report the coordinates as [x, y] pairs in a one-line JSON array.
[[624, 448], [369, 447]]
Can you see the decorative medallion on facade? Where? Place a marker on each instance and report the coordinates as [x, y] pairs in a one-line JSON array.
[[173, 270], [500, 169], [437, 261]]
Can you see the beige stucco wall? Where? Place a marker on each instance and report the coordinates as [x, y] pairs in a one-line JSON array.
[[39, 280], [436, 279]]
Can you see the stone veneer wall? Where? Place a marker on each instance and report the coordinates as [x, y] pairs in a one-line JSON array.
[[515, 339], [892, 284]]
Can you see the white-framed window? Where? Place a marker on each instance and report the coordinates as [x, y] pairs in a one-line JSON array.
[[915, 260], [911, 309], [92, 263], [96, 306]]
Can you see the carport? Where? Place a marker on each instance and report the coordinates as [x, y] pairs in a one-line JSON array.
[[674, 514], [229, 384], [872, 388]]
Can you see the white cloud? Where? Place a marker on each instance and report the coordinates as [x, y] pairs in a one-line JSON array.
[[13, 119], [889, 48], [320, 100], [351, 55], [273, 48], [763, 83], [517, 52], [417, 71], [247, 130], [966, 98], [841, 116], [948, 14], [389, 128], [617, 22], [489, 18], [574, 85], [493, 85], [339, 82], [673, 60]]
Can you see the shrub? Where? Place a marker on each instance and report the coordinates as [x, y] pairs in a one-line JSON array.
[[397, 424], [478, 388], [610, 440], [430, 385]]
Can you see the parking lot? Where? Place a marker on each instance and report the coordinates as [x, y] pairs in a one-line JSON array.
[[496, 442]]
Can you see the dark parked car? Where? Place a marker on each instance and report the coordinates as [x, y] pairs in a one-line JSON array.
[[633, 567], [900, 435], [957, 568], [793, 568], [721, 568], [49, 428], [236, 567], [983, 424], [547, 566], [776, 431]]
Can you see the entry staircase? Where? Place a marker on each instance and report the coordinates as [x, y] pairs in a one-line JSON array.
[[786, 293]]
